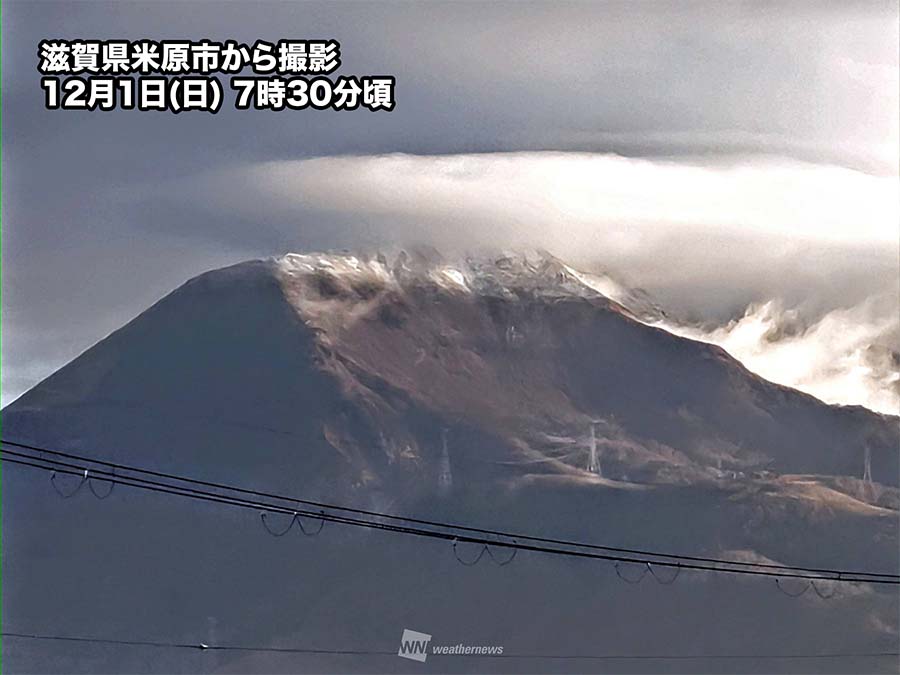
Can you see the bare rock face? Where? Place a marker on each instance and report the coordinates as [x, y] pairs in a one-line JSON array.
[[528, 350]]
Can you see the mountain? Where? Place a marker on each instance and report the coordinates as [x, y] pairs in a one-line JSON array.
[[469, 391]]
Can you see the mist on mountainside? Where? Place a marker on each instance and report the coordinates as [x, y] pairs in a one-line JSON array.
[[848, 356]]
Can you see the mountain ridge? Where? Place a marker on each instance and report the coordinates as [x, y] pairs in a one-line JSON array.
[[430, 398], [507, 348]]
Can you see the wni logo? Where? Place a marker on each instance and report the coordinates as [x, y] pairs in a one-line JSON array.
[[414, 645]]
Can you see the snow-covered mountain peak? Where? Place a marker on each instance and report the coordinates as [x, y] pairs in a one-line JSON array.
[[345, 277]]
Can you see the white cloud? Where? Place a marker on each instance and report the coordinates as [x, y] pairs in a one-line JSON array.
[[845, 357], [589, 196], [708, 238]]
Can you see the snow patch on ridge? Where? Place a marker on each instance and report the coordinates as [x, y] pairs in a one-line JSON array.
[[353, 278], [846, 358]]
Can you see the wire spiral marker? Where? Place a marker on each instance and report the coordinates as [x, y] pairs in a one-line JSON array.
[[789, 593], [68, 495], [311, 533], [109, 491], [469, 563], [663, 580], [821, 594], [504, 561], [263, 515], [295, 518], [624, 578], [485, 548]]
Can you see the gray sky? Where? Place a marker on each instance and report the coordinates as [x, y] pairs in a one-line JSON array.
[[737, 152]]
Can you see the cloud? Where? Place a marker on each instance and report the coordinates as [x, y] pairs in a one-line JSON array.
[[580, 192], [849, 356], [708, 239], [814, 81]]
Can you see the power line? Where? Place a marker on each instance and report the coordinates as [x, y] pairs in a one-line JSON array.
[[199, 646], [419, 521], [511, 540], [155, 486]]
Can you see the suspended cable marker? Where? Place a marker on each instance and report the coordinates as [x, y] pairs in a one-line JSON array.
[[268, 503], [500, 561], [295, 519]]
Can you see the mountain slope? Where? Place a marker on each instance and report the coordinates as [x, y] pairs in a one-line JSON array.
[[339, 378]]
